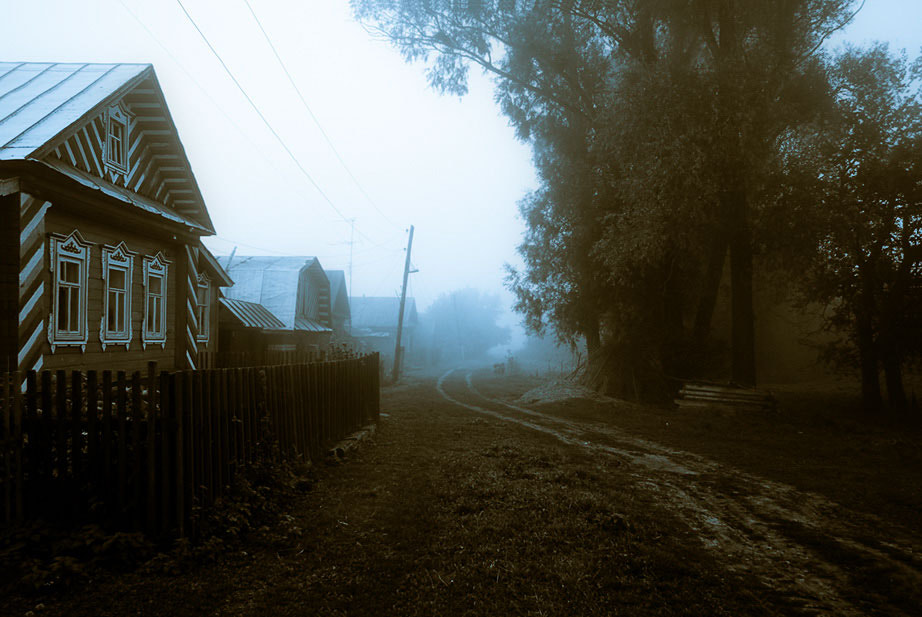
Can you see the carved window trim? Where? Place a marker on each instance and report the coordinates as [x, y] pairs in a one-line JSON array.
[[115, 147], [116, 258], [155, 266], [69, 249], [203, 308]]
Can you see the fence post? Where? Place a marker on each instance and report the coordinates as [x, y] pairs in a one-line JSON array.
[[76, 441], [107, 441], [92, 430], [188, 440], [17, 441], [166, 478], [136, 458], [122, 471], [152, 404]]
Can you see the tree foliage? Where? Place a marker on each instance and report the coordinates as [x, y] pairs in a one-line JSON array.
[[463, 325], [662, 132]]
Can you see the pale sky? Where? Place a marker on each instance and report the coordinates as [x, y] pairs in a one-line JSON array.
[[451, 167]]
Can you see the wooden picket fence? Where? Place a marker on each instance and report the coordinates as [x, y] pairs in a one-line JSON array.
[[149, 452]]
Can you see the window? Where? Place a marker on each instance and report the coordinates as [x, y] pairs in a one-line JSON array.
[[155, 297], [202, 305], [117, 266], [116, 146], [70, 256]]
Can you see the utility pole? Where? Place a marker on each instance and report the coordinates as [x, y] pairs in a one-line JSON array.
[[351, 243], [403, 302]]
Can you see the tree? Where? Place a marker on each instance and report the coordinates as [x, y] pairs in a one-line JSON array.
[[867, 155], [462, 325], [653, 123]]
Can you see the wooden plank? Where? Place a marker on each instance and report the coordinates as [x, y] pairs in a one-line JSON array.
[[198, 471], [150, 506], [188, 450], [137, 460], [107, 489], [76, 442], [179, 492], [166, 477], [92, 431], [121, 405], [208, 439], [17, 441], [60, 429], [6, 413]]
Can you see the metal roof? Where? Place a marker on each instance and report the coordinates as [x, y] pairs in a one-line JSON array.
[[381, 312], [43, 105], [309, 325], [39, 100], [252, 315], [283, 285], [339, 297]]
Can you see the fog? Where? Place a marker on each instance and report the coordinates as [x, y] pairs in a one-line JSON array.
[[452, 167]]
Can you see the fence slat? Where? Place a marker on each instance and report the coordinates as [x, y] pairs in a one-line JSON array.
[[137, 454]]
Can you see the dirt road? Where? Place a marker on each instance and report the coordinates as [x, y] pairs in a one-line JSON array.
[[466, 503], [745, 519]]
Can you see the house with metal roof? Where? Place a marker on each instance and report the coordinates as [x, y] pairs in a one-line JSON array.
[[374, 323], [340, 313], [294, 290], [101, 220]]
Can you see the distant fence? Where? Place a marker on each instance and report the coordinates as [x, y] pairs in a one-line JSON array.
[[243, 359], [148, 452]]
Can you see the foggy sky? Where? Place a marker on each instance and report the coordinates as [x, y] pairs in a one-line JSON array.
[[451, 167]]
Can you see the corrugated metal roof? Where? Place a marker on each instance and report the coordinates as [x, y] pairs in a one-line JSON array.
[[252, 315], [381, 312], [39, 100], [309, 325]]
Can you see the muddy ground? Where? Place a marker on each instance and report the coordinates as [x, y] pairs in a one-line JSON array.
[[473, 500]]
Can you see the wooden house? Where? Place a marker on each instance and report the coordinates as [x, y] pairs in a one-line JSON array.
[[340, 314], [374, 324], [101, 220], [293, 290]]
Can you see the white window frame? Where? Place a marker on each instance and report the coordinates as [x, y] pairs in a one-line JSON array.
[[116, 258], [203, 311], [116, 162], [155, 265], [71, 248]]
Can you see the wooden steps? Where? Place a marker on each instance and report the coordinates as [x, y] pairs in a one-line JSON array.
[[727, 397]]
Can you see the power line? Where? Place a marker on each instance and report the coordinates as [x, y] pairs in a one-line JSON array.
[[263, 118], [314, 117]]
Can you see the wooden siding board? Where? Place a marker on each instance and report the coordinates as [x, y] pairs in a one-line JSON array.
[[115, 357]]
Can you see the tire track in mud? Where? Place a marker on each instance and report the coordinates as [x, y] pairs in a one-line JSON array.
[[745, 525]]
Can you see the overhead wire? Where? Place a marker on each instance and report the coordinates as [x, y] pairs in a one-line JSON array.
[[313, 116], [265, 120]]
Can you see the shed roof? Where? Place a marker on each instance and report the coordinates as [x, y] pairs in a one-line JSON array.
[[371, 312], [43, 104], [252, 314]]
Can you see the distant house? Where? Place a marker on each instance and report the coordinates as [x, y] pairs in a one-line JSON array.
[[340, 312], [374, 323], [294, 290], [101, 219]]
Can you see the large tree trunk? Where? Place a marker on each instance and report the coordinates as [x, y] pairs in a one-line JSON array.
[[893, 371], [867, 346], [710, 289], [743, 370]]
